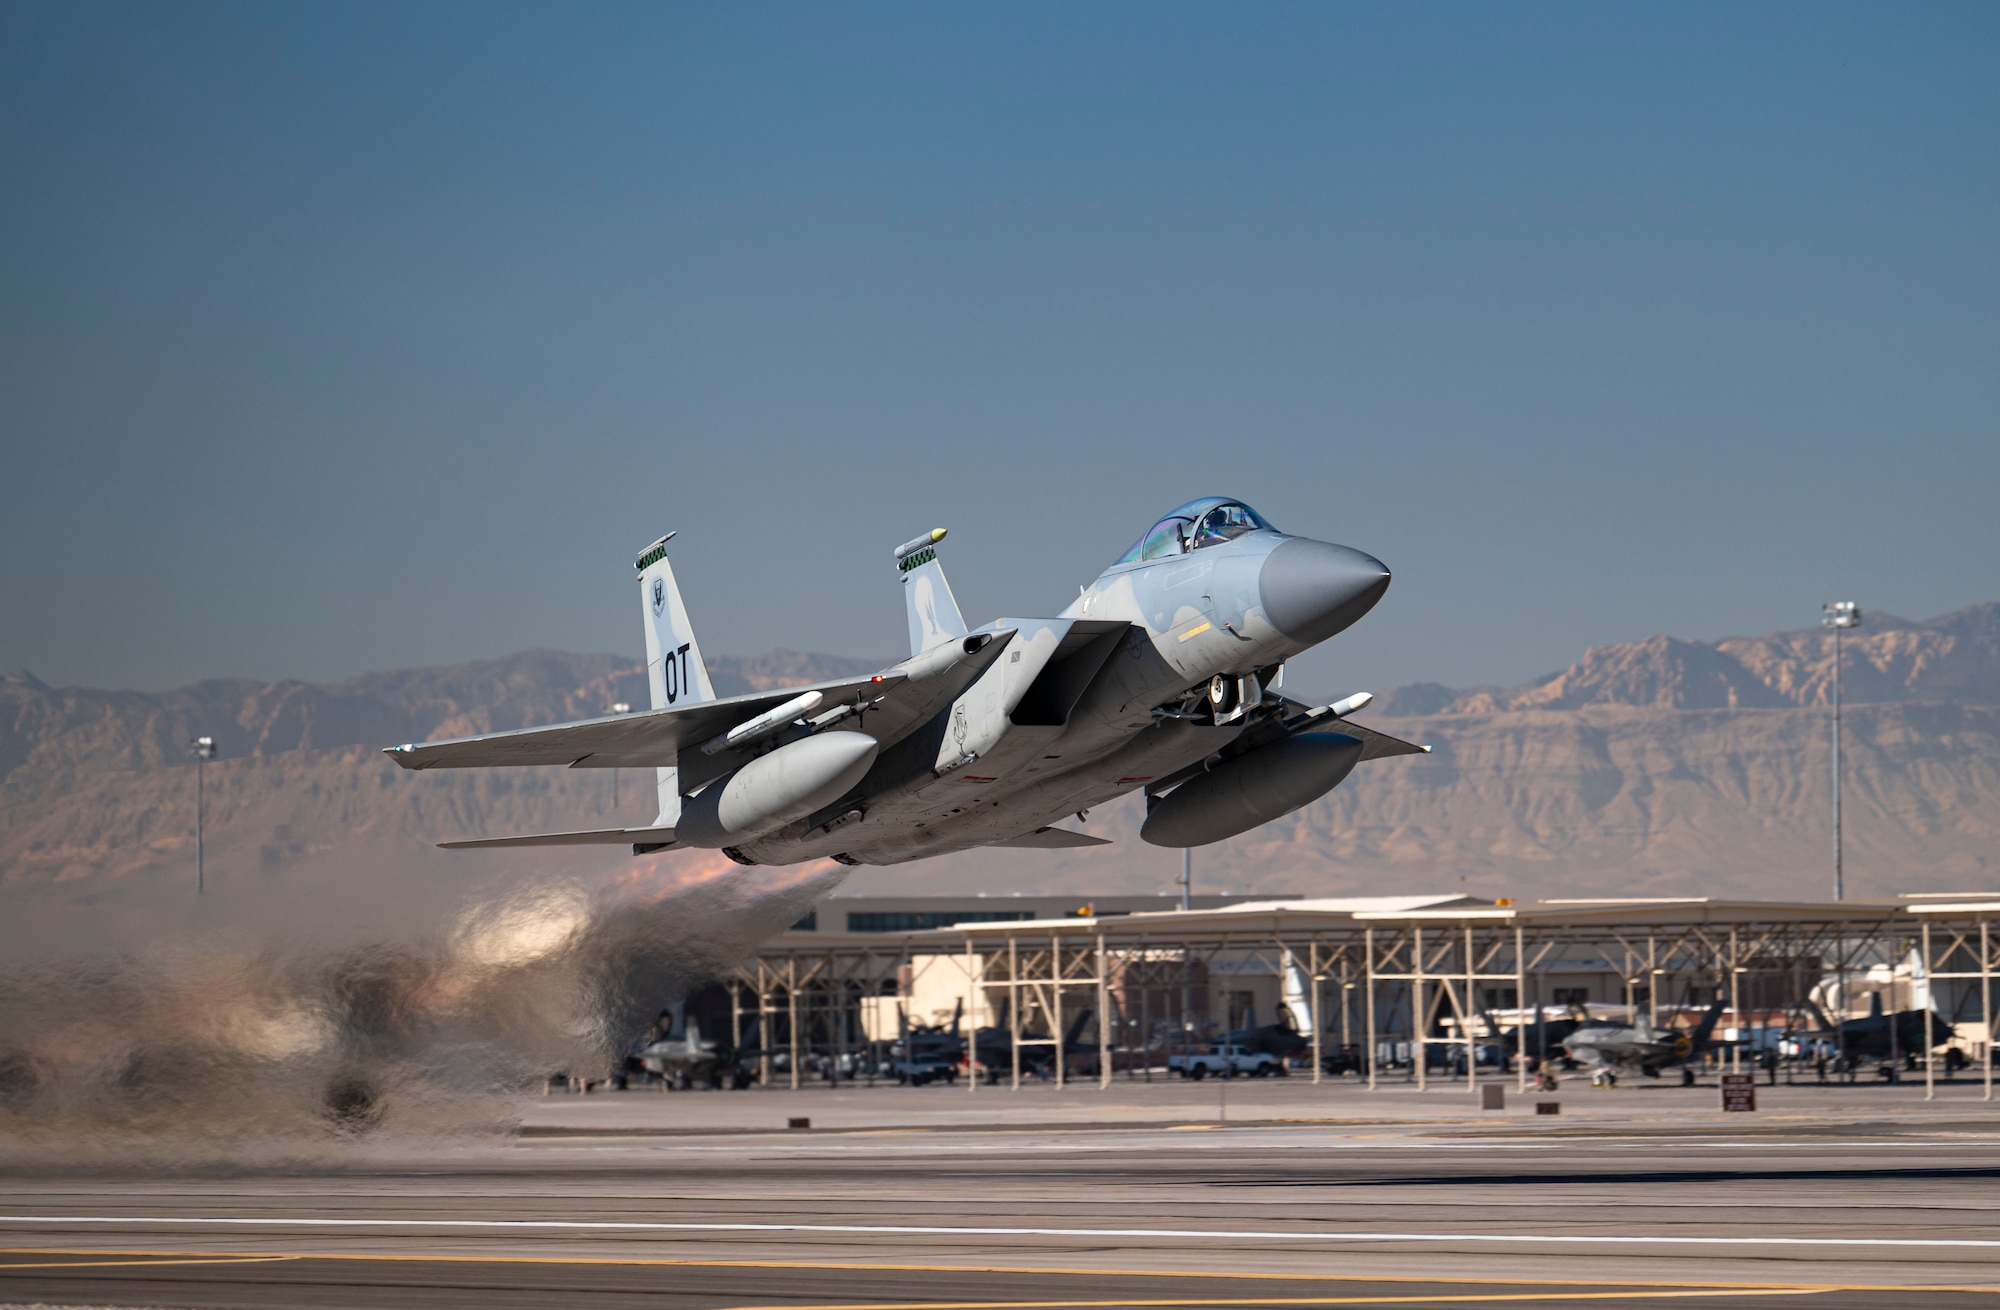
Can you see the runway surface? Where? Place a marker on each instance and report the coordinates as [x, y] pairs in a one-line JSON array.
[[923, 1198]]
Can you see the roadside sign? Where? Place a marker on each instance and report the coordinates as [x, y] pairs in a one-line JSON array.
[[1739, 1091]]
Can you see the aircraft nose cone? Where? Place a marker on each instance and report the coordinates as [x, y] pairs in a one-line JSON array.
[[1313, 589]]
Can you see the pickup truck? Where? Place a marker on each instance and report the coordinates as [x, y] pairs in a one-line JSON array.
[[1225, 1062]]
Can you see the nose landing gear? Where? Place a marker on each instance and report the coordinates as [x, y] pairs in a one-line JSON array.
[[1229, 699]]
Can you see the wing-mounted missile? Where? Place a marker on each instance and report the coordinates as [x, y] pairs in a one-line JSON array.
[[1295, 718], [767, 724]]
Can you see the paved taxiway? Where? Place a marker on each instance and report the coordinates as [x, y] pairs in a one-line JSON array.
[[934, 1197]]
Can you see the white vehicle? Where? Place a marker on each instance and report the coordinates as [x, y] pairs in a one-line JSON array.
[[1225, 1062]]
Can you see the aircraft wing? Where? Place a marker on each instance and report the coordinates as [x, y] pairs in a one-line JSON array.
[[643, 740], [1052, 839], [656, 839], [1374, 745]]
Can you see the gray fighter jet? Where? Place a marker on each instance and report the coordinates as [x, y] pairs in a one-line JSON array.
[[1163, 674], [1609, 1049]]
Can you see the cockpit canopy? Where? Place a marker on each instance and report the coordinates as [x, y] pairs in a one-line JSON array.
[[1209, 521]]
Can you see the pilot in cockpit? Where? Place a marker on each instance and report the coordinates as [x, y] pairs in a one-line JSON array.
[[1226, 522], [1195, 525]]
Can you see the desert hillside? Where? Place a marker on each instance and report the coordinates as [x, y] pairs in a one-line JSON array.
[[1653, 767]]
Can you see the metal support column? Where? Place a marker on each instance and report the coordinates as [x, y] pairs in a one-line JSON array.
[[1055, 1004], [1312, 972], [1465, 1012], [1419, 1014], [736, 1019], [792, 1009], [763, 1024], [1145, 1008], [1103, 1017], [1986, 1000], [1014, 1007], [1735, 1008], [1520, 1007], [1653, 972], [1368, 982], [971, 1021], [1930, 1003]]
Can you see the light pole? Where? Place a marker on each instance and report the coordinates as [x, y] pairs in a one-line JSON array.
[[1838, 615], [620, 708], [1187, 957], [203, 750]]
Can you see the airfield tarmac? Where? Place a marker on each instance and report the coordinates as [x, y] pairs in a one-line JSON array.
[[1140, 1195]]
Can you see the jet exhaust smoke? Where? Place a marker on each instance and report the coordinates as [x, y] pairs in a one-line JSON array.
[[205, 1050]]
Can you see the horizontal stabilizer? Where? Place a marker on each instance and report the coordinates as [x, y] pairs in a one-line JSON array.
[[655, 838], [1052, 839]]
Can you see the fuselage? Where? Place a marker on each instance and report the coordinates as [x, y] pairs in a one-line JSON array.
[[1157, 664], [1621, 1049]]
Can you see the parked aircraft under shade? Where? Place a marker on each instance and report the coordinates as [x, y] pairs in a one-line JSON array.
[[1609, 1049], [1162, 675]]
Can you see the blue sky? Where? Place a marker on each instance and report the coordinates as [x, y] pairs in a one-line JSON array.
[[348, 337]]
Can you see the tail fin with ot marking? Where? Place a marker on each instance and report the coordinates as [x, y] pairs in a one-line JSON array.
[[674, 670]]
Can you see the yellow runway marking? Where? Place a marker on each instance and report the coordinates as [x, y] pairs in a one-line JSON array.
[[1283, 1300], [1680, 1287], [145, 1263]]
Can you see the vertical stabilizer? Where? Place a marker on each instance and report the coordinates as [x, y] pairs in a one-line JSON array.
[[1706, 1028], [1297, 992], [675, 673], [933, 610]]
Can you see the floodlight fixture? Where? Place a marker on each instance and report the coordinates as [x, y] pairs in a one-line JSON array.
[[203, 750], [1838, 615]]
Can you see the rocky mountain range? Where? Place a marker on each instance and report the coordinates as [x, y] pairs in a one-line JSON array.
[[1659, 766], [1952, 658]]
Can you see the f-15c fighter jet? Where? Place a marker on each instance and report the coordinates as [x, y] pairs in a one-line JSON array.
[[1163, 674]]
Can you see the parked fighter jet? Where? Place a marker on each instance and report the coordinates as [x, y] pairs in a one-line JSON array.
[[1291, 1035], [1163, 675], [1607, 1049], [1898, 1037], [680, 1059], [1537, 1038], [994, 1048]]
